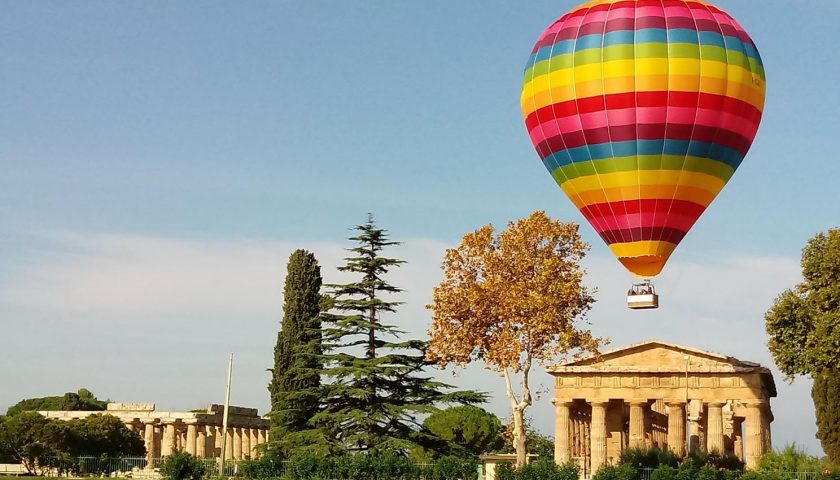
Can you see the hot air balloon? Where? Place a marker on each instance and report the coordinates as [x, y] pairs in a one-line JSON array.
[[642, 110]]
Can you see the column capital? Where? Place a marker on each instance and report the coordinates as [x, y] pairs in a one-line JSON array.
[[675, 403], [639, 402], [599, 403], [565, 402], [716, 404]]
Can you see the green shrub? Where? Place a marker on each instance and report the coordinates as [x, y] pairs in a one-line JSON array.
[[362, 466], [648, 458], [452, 468], [182, 466], [664, 472], [707, 472], [726, 462], [619, 472], [792, 458], [539, 469], [267, 466], [504, 471], [687, 470]]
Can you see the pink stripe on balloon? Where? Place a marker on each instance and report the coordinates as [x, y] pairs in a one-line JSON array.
[[646, 219]]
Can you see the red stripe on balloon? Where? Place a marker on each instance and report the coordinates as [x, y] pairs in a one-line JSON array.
[[670, 22], [647, 205], [640, 234], [651, 99]]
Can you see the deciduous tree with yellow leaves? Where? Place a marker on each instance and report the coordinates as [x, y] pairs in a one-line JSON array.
[[510, 299]]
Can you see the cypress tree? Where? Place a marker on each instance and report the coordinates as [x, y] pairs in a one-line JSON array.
[[296, 354], [825, 392], [374, 387]]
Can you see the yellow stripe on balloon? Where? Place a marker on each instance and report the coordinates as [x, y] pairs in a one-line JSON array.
[[747, 92], [644, 177], [696, 195], [638, 68], [639, 249]]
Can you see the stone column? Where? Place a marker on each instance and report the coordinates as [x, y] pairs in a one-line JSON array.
[[229, 444], [562, 452], [261, 436], [192, 437], [168, 446], [738, 437], [767, 440], [237, 443], [755, 434], [246, 443], [252, 432], [218, 439], [714, 428], [637, 423], [694, 415], [598, 435], [200, 442], [210, 450], [676, 428], [151, 451]]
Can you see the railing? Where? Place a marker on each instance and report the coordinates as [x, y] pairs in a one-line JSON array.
[[120, 466], [138, 467], [645, 474]]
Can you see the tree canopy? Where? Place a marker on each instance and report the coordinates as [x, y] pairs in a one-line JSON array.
[[510, 299], [28, 437], [804, 329], [81, 400], [804, 322], [470, 429]]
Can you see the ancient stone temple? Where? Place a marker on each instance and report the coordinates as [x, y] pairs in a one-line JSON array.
[[198, 433], [657, 394]]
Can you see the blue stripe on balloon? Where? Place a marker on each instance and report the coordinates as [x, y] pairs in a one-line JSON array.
[[629, 148], [647, 35]]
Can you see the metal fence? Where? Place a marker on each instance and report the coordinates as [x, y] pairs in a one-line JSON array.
[[138, 467], [121, 467], [646, 473]]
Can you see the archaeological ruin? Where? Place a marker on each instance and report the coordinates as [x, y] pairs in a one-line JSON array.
[[658, 394], [198, 433]]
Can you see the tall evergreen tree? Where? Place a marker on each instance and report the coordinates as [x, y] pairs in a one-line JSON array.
[[374, 387], [296, 355], [825, 392]]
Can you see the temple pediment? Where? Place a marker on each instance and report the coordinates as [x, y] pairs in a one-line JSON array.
[[659, 356]]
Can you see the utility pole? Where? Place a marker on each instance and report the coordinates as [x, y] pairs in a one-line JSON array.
[[225, 418], [687, 425]]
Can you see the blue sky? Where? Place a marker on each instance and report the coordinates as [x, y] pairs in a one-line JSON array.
[[159, 160]]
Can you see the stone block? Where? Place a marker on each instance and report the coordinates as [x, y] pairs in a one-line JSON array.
[[130, 407]]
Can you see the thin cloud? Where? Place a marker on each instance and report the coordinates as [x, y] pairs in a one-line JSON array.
[[164, 304]]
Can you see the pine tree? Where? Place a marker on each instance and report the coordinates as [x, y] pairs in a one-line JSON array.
[[297, 364], [375, 387]]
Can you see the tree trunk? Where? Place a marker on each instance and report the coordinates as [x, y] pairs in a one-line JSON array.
[[520, 438]]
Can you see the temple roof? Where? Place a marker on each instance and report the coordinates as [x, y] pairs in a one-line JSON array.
[[657, 356]]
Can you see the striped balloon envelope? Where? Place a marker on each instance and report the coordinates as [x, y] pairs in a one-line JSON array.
[[642, 111]]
